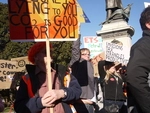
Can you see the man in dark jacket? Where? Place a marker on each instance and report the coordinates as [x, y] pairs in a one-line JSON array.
[[138, 68]]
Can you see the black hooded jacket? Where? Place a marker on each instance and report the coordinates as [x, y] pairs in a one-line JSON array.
[[138, 71]]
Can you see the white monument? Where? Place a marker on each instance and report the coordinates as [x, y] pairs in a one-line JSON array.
[[116, 27]]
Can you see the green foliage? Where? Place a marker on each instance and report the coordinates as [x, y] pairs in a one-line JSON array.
[[15, 49], [9, 49], [61, 52], [4, 36]]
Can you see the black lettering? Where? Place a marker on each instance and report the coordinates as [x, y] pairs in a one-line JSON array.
[[57, 31], [7, 65], [63, 32], [65, 20], [11, 7], [20, 5], [45, 10], [13, 19], [28, 32], [37, 30], [2, 78], [71, 31], [47, 22], [56, 11], [44, 30], [69, 9], [25, 20], [35, 22], [74, 21], [2, 65], [65, 5], [57, 21], [8, 72], [36, 7], [70, 20]]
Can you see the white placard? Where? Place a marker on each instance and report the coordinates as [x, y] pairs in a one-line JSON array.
[[94, 44], [116, 52]]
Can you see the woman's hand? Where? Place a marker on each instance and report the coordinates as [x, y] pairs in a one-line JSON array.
[[51, 96]]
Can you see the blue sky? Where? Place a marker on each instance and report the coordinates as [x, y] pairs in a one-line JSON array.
[[95, 10]]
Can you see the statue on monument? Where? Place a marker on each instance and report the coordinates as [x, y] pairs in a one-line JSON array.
[[115, 11], [111, 6]]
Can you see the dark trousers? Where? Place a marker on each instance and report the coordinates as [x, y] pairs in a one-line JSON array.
[[84, 108], [110, 102]]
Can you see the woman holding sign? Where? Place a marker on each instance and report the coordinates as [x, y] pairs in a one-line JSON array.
[[33, 95], [112, 85]]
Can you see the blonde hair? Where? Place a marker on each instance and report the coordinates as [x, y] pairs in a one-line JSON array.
[[108, 73]]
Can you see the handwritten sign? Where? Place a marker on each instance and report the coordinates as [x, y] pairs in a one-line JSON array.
[[21, 63], [40, 19], [94, 44], [7, 70], [116, 52]]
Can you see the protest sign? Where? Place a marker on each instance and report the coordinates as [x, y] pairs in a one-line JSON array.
[[94, 44], [21, 63], [7, 70], [40, 19], [116, 52]]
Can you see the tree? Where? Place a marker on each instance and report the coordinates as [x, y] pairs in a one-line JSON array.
[[61, 52], [4, 36], [9, 49]]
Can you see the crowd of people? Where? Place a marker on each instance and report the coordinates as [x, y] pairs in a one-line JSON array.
[[85, 92], [91, 85]]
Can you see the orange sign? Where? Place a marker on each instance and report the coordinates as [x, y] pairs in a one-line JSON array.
[[41, 19]]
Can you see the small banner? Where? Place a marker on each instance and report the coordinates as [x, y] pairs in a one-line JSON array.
[[21, 63], [115, 52], [94, 44], [9, 68]]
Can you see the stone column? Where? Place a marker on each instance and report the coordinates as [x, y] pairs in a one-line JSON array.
[[119, 30]]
